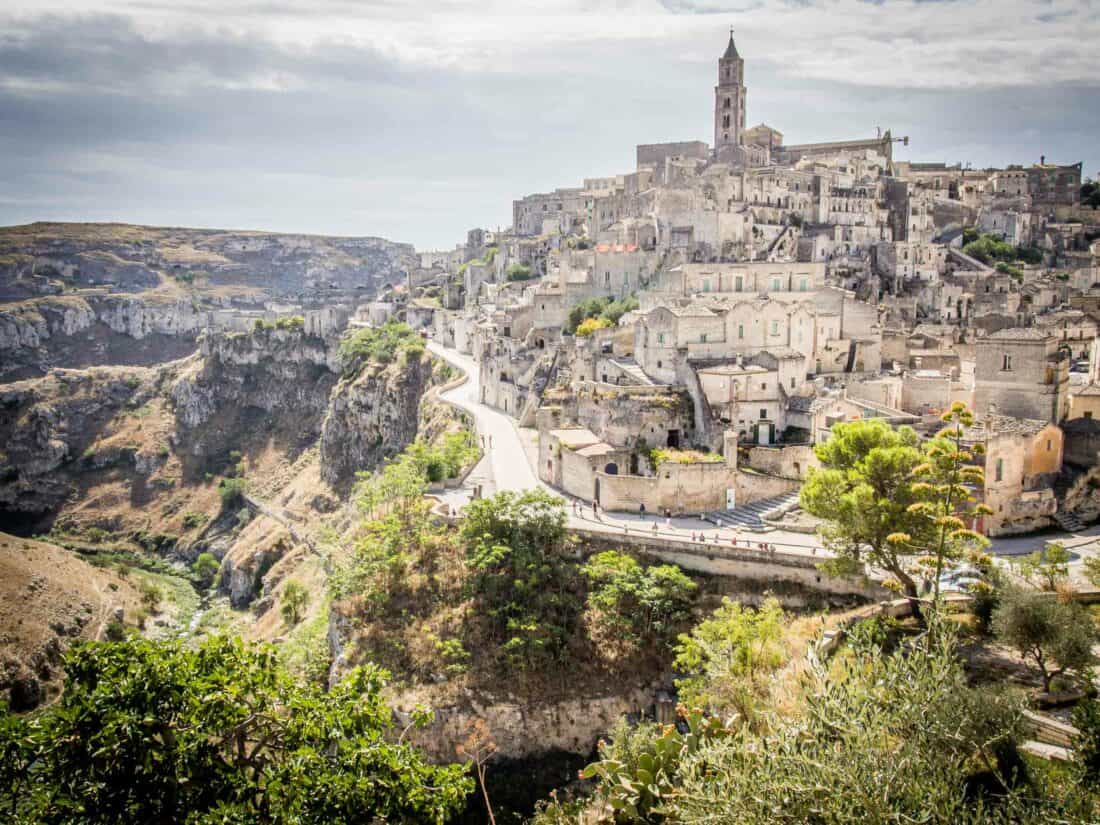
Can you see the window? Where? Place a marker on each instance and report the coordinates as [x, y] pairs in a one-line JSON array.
[[1006, 363], [775, 327], [1049, 444], [802, 284], [740, 331], [738, 283], [792, 383], [1000, 472], [775, 284], [706, 285], [727, 104], [763, 385], [607, 277], [702, 337], [763, 413], [660, 337]]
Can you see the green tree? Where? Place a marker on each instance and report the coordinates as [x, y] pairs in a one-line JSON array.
[[518, 272], [522, 587], [641, 604], [379, 345], [205, 569], [863, 491], [293, 602], [1056, 638], [943, 482], [726, 658], [232, 492], [171, 733], [1047, 567]]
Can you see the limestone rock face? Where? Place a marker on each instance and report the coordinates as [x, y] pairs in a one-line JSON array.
[[277, 379], [46, 425], [371, 416], [85, 331]]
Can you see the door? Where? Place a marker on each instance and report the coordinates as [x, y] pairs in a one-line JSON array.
[[731, 498]]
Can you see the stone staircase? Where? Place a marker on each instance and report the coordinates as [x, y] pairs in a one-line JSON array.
[[631, 369], [751, 516], [1068, 522]]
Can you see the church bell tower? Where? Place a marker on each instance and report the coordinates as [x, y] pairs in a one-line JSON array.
[[729, 99]]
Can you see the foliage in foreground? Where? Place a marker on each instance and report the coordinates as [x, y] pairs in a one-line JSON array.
[[157, 732], [878, 738]]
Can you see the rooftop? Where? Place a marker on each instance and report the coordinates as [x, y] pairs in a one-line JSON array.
[[1018, 334]]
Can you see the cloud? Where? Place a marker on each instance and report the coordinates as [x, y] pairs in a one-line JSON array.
[[416, 121]]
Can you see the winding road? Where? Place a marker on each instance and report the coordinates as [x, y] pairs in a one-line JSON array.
[[508, 465]]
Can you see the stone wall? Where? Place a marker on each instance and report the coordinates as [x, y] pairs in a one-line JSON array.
[[787, 462]]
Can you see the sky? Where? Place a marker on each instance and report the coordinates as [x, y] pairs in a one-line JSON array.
[[416, 121]]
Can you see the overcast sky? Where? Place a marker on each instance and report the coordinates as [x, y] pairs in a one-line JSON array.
[[418, 120]]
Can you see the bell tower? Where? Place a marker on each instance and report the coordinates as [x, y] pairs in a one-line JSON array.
[[729, 99]]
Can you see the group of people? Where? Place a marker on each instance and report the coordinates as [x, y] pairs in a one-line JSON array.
[[696, 536]]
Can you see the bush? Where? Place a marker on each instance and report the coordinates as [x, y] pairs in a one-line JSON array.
[[293, 323], [192, 520], [519, 272], [590, 325], [379, 345], [293, 602], [169, 731], [232, 492], [1086, 745], [640, 604], [205, 569]]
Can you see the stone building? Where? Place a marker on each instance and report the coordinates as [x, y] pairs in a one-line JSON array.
[[729, 102], [1021, 461], [1021, 372]]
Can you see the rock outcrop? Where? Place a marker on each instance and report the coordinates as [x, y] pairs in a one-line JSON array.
[[78, 331], [371, 416], [265, 383], [46, 428]]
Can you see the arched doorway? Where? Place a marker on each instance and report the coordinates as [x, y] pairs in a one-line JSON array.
[[612, 469]]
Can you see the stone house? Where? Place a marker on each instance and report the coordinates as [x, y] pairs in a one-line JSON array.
[[1021, 461], [1085, 402], [1021, 372]]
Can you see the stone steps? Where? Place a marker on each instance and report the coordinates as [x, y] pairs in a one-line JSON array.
[[750, 516]]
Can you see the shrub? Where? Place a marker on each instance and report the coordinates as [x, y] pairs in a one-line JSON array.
[[590, 325], [168, 732], [640, 604], [205, 569], [293, 601], [192, 520], [519, 272], [380, 345], [1086, 745], [232, 491], [293, 323]]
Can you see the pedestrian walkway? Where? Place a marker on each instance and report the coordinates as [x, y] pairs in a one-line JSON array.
[[749, 516]]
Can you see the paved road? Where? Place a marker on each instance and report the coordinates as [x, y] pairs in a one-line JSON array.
[[503, 447], [508, 465]]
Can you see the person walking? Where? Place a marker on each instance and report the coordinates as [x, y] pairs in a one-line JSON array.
[[641, 510]]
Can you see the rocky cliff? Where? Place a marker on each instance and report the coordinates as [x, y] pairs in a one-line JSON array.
[[47, 428], [372, 415], [249, 388], [78, 331]]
